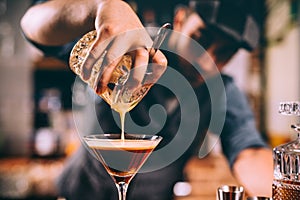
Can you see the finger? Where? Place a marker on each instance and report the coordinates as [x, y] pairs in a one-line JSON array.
[[95, 52], [140, 66], [120, 46], [137, 72], [104, 78], [160, 59], [114, 52], [158, 65], [125, 42]]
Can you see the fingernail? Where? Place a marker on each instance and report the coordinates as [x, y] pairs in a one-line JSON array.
[[98, 89]]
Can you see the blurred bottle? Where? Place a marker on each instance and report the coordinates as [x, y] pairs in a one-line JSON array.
[[46, 139], [286, 184]]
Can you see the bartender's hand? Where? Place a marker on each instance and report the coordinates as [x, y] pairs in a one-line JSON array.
[[58, 22], [116, 18]]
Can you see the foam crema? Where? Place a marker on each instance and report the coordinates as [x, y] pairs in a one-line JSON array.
[[126, 144]]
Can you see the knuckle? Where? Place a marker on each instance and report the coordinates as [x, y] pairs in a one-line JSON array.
[[163, 62], [160, 59], [108, 29], [142, 53]]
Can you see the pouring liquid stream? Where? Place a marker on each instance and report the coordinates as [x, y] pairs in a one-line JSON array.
[[122, 95], [122, 110], [122, 102], [119, 100]]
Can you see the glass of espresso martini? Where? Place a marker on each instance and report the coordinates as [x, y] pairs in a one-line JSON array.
[[122, 155], [122, 158]]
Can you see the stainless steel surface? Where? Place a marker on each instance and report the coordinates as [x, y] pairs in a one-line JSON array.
[[159, 38], [229, 192]]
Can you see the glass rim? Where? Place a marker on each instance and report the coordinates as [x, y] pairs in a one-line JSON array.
[[127, 136], [139, 141], [231, 188]]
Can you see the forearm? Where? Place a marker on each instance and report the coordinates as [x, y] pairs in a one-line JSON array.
[[59, 21], [254, 170]]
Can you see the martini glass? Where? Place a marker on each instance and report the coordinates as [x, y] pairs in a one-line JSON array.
[[122, 159]]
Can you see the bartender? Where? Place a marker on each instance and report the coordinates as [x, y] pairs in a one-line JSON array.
[[221, 27]]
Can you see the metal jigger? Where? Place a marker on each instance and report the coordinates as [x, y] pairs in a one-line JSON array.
[[227, 192]]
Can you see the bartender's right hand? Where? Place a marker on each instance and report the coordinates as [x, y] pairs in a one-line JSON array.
[[119, 32]]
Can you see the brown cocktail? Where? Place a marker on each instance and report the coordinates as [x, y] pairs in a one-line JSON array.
[[122, 158]]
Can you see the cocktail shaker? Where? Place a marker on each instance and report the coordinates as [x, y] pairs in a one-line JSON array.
[[117, 90]]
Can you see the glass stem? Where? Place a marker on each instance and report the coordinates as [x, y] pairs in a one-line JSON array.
[[122, 189]]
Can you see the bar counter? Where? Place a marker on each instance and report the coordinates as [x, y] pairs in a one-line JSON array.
[[26, 178], [206, 175]]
